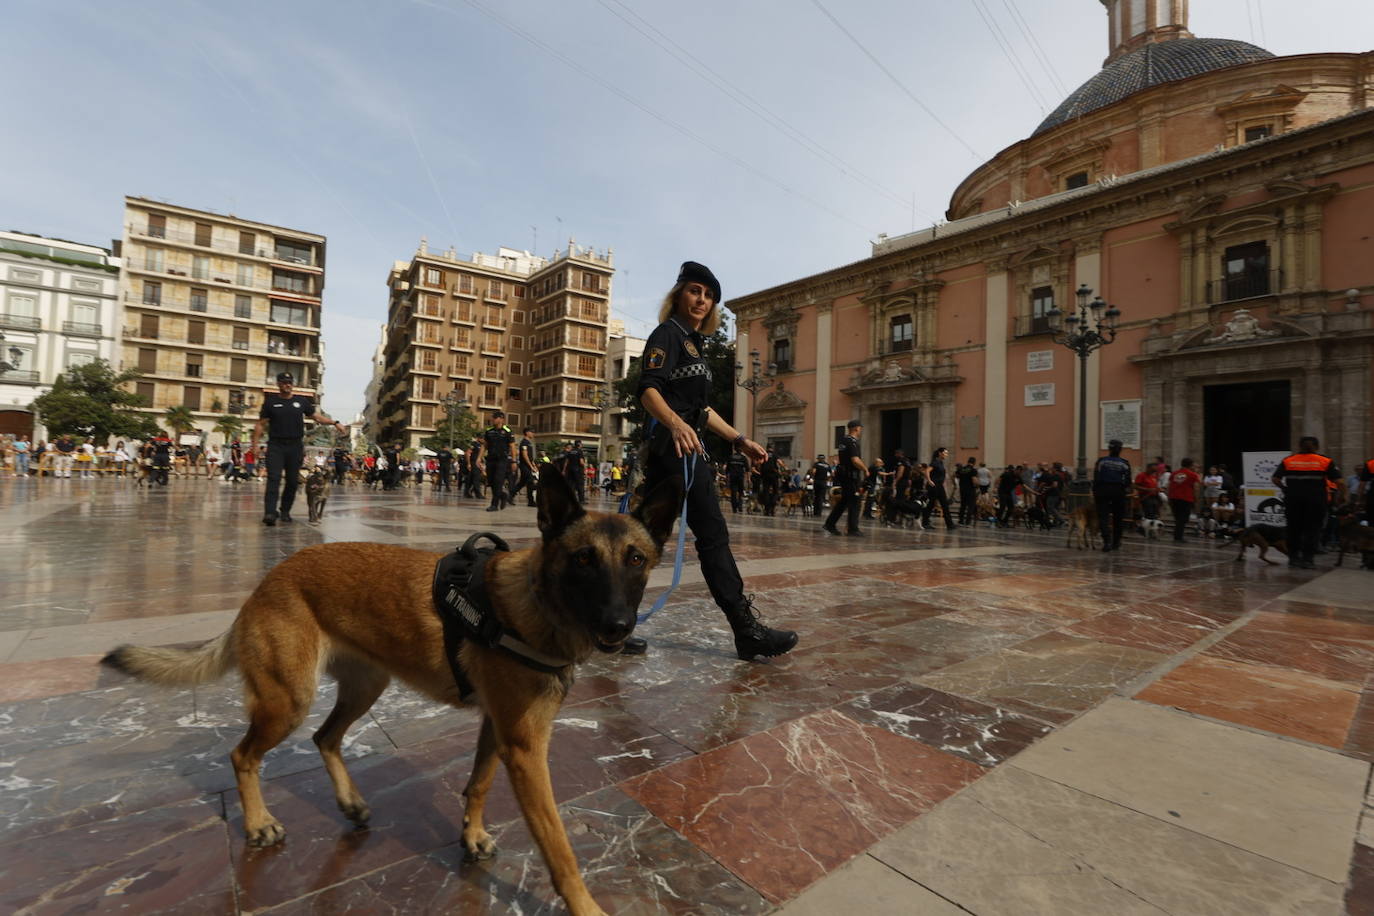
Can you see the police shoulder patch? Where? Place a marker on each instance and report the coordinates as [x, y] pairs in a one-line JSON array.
[[655, 358]]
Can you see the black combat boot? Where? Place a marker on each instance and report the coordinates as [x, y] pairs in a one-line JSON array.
[[752, 638]]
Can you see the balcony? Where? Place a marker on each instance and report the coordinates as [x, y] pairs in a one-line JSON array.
[[1031, 325], [20, 322], [1251, 284], [20, 377], [181, 237], [82, 329], [180, 276]]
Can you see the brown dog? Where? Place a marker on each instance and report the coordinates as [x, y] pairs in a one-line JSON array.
[[1083, 522], [1355, 538], [364, 614], [317, 494], [1263, 537]]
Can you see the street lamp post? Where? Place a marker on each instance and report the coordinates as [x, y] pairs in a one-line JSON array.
[[15, 354], [454, 404], [603, 399], [758, 380], [1084, 330]]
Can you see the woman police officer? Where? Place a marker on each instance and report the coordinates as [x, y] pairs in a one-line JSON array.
[[674, 387]]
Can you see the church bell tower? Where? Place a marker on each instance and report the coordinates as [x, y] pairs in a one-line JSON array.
[[1133, 23]]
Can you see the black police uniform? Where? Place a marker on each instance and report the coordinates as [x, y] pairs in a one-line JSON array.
[[340, 465], [1111, 478], [572, 465], [472, 471], [967, 477], [847, 477], [496, 443], [820, 484], [901, 486], [768, 483], [445, 467], [737, 469], [938, 494], [673, 365], [285, 416], [524, 458]]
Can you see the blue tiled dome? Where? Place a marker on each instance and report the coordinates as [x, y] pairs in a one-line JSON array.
[[1151, 65]]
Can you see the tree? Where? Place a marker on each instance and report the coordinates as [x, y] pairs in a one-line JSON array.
[[230, 427], [179, 419], [463, 425], [553, 448], [90, 400], [719, 352], [322, 436]]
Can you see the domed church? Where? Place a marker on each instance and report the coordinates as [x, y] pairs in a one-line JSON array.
[[1201, 203]]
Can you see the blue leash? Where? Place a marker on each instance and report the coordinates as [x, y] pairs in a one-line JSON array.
[[688, 473]]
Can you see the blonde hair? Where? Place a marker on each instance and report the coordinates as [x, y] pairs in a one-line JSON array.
[[708, 327]]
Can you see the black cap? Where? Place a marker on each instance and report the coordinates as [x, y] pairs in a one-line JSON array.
[[497, 413], [286, 377], [700, 273], [1115, 443]]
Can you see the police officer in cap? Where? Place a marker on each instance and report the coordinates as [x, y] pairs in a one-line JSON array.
[[1302, 476], [1111, 479], [283, 415], [849, 475], [445, 466], [498, 444], [820, 483], [525, 465]]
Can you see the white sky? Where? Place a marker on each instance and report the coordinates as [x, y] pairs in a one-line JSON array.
[[751, 135]]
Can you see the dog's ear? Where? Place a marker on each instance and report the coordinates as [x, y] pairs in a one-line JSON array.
[[558, 507], [660, 509]]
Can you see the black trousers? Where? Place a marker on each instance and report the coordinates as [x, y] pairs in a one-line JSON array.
[[284, 458], [526, 483], [849, 502], [938, 493], [1305, 518], [736, 493], [1005, 501], [1111, 513], [768, 494], [1182, 509], [708, 527], [968, 505], [578, 482], [820, 493], [445, 472], [497, 471], [339, 471]]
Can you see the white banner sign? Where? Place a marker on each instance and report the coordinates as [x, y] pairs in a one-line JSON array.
[[1121, 420], [1040, 395], [1039, 360], [1257, 468]]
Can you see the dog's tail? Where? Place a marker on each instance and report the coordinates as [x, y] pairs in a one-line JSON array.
[[175, 667]]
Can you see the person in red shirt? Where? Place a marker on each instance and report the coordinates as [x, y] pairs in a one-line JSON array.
[[1147, 491], [1184, 485]]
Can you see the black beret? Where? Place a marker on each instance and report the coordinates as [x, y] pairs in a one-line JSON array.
[[700, 273]]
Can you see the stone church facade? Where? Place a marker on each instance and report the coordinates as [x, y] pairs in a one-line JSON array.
[[1221, 197]]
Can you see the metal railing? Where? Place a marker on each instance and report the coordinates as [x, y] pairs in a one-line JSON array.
[[84, 328], [189, 238], [21, 376], [1030, 325], [20, 322], [218, 311], [1249, 285], [183, 277]]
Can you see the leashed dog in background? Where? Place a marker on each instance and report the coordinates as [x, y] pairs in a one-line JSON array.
[[317, 494], [364, 614]]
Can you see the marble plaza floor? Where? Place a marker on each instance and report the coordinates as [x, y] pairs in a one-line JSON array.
[[974, 722]]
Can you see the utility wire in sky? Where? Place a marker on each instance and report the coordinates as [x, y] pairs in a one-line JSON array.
[[742, 98], [1009, 53], [1046, 63], [433, 182], [616, 90], [898, 83]]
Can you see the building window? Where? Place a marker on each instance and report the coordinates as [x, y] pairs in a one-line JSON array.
[[22, 307], [513, 393], [900, 333], [195, 362], [152, 259], [244, 275], [496, 289], [203, 235], [586, 365], [190, 397], [1245, 271], [427, 388], [464, 284], [152, 292], [243, 306], [200, 267], [147, 391], [491, 367], [514, 420], [238, 370], [157, 226], [147, 360], [200, 300], [248, 243], [489, 394], [195, 332], [148, 327], [781, 445], [782, 355], [86, 313], [293, 251], [433, 277], [291, 282], [1258, 132], [1042, 300], [519, 291], [79, 358], [290, 314], [1076, 180], [427, 360], [517, 342], [515, 368], [240, 338]]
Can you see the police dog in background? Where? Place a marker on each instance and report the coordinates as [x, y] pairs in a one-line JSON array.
[[1083, 524], [1263, 537], [364, 614], [317, 494]]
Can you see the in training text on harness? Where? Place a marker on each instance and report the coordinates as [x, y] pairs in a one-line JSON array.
[[465, 611]]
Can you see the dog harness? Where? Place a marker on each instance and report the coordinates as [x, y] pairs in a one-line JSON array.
[[465, 611]]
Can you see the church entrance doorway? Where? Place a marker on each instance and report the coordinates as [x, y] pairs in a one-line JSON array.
[[900, 429], [1246, 417]]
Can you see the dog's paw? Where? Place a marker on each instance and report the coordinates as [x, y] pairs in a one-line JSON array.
[[357, 811], [269, 834], [478, 845]]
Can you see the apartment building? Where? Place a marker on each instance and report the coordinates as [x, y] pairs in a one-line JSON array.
[[511, 330], [58, 309], [621, 352], [215, 306]]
